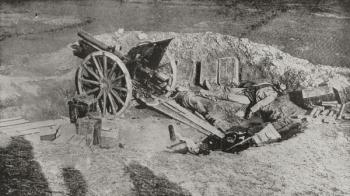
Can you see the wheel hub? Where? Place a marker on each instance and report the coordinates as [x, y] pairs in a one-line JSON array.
[[105, 84]]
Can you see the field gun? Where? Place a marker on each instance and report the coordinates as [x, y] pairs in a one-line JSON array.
[[145, 72]]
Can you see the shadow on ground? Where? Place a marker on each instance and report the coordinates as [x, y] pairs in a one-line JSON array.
[[20, 174], [74, 181], [148, 184]]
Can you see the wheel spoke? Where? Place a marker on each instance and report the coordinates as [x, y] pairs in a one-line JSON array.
[[121, 89], [104, 103], [115, 94], [100, 104], [105, 64], [112, 103], [119, 77], [163, 65], [99, 95], [112, 70], [89, 81], [97, 65], [91, 72], [92, 90]]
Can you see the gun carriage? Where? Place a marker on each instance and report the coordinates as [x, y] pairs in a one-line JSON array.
[[145, 72]]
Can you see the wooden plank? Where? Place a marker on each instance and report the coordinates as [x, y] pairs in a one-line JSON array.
[[198, 121], [267, 135], [13, 122], [228, 70], [26, 132], [35, 131], [27, 126], [193, 119], [169, 112], [341, 111], [316, 92], [10, 119], [218, 73]]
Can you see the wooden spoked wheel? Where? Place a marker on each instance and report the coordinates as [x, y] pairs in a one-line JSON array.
[[104, 76]]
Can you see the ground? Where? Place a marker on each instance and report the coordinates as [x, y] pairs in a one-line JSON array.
[[313, 163], [37, 77]]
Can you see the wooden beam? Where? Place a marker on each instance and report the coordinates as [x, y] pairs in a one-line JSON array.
[[13, 122], [10, 119], [341, 111], [28, 126], [194, 119], [39, 131], [170, 112], [316, 92]]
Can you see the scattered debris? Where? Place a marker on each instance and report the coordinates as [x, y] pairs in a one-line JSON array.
[[18, 126], [329, 112], [234, 95], [341, 94], [329, 103], [178, 140], [266, 135], [341, 111], [174, 110], [227, 70], [317, 92], [90, 128], [309, 97], [80, 105], [206, 85]]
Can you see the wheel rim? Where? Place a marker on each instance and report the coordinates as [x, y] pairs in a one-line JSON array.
[[104, 76]]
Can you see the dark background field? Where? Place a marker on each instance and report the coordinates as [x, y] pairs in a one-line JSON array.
[[317, 30]]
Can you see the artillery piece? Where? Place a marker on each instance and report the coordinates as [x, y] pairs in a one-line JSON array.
[[146, 71]]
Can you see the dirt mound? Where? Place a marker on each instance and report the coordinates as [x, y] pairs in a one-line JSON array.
[[258, 62]]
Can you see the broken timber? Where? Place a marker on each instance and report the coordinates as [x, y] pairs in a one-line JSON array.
[[13, 122], [175, 111], [10, 119], [341, 111], [19, 126]]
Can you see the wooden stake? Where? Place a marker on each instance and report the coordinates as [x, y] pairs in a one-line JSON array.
[[340, 114]]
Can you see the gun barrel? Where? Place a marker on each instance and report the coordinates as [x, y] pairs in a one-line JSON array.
[[90, 39]]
